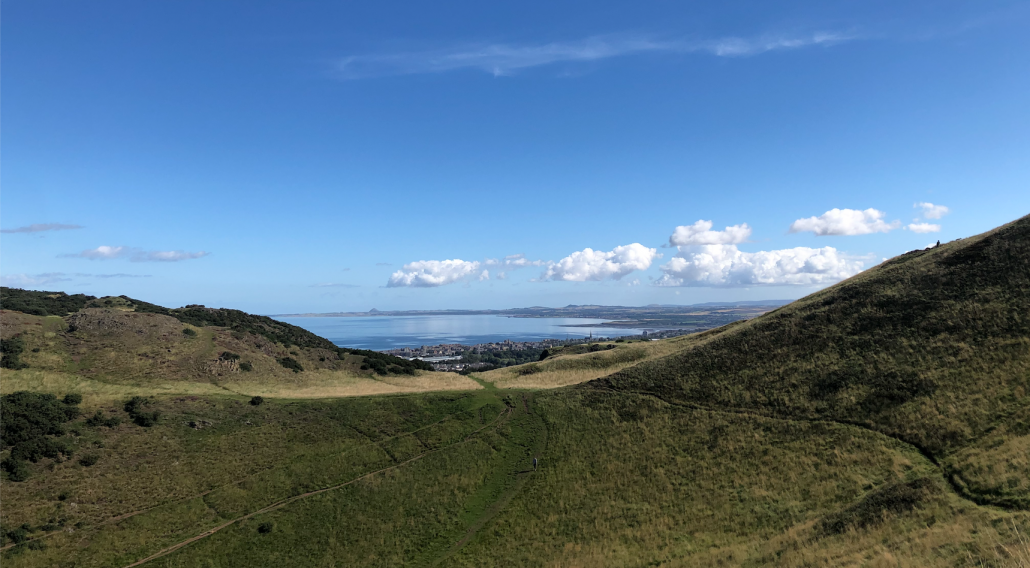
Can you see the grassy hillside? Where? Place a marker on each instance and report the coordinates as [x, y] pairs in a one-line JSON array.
[[932, 347], [116, 346], [881, 422]]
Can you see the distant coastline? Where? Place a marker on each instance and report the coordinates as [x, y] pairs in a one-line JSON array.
[[653, 317]]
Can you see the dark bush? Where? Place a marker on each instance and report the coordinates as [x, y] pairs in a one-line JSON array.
[[189, 332], [246, 366], [89, 460], [530, 369], [256, 401], [544, 354], [135, 407], [265, 528], [28, 415], [229, 356], [39, 303], [10, 353], [72, 398], [17, 470], [64, 495], [98, 419], [18, 535], [35, 349], [290, 363]]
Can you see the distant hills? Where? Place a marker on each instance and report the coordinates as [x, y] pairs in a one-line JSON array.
[[691, 317]]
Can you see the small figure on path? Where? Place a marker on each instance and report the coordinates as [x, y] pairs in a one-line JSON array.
[[938, 243], [534, 463]]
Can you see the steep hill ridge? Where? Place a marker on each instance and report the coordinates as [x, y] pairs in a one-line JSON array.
[[931, 347]]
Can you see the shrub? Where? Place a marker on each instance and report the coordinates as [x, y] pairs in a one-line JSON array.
[[98, 419], [290, 363], [64, 495], [265, 528], [35, 349], [246, 366], [41, 303], [72, 398], [135, 407], [188, 332], [256, 401], [29, 422], [18, 535], [544, 354], [229, 356], [10, 353], [17, 470], [89, 460]]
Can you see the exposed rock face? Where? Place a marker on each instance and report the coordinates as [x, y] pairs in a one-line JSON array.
[[224, 367]]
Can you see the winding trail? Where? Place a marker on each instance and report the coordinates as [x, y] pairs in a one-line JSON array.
[[500, 419], [502, 501], [953, 479]]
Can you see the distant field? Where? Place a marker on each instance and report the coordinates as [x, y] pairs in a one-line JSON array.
[[573, 366]]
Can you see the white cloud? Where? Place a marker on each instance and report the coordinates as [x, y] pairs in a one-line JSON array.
[[923, 227], [845, 222], [506, 59], [484, 275], [23, 280], [431, 273], [105, 252], [701, 233], [167, 256], [725, 265], [37, 227], [514, 261], [931, 211], [589, 264]]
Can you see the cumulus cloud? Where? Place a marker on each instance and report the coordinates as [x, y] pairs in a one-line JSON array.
[[105, 252], [38, 227], [701, 233], [931, 211], [845, 222], [589, 264], [726, 266], [431, 273], [506, 59], [923, 227]]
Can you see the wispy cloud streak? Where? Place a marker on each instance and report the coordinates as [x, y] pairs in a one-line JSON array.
[[40, 227], [506, 59]]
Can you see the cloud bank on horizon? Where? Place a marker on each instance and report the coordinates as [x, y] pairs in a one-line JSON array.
[[505, 59], [705, 258]]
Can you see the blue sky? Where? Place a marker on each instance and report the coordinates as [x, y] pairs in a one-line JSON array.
[[306, 156]]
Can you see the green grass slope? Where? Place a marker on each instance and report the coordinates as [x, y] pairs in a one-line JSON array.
[[881, 422], [931, 347]]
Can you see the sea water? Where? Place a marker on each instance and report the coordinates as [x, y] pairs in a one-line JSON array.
[[391, 332]]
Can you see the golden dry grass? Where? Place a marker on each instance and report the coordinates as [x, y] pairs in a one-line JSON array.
[[564, 370]]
